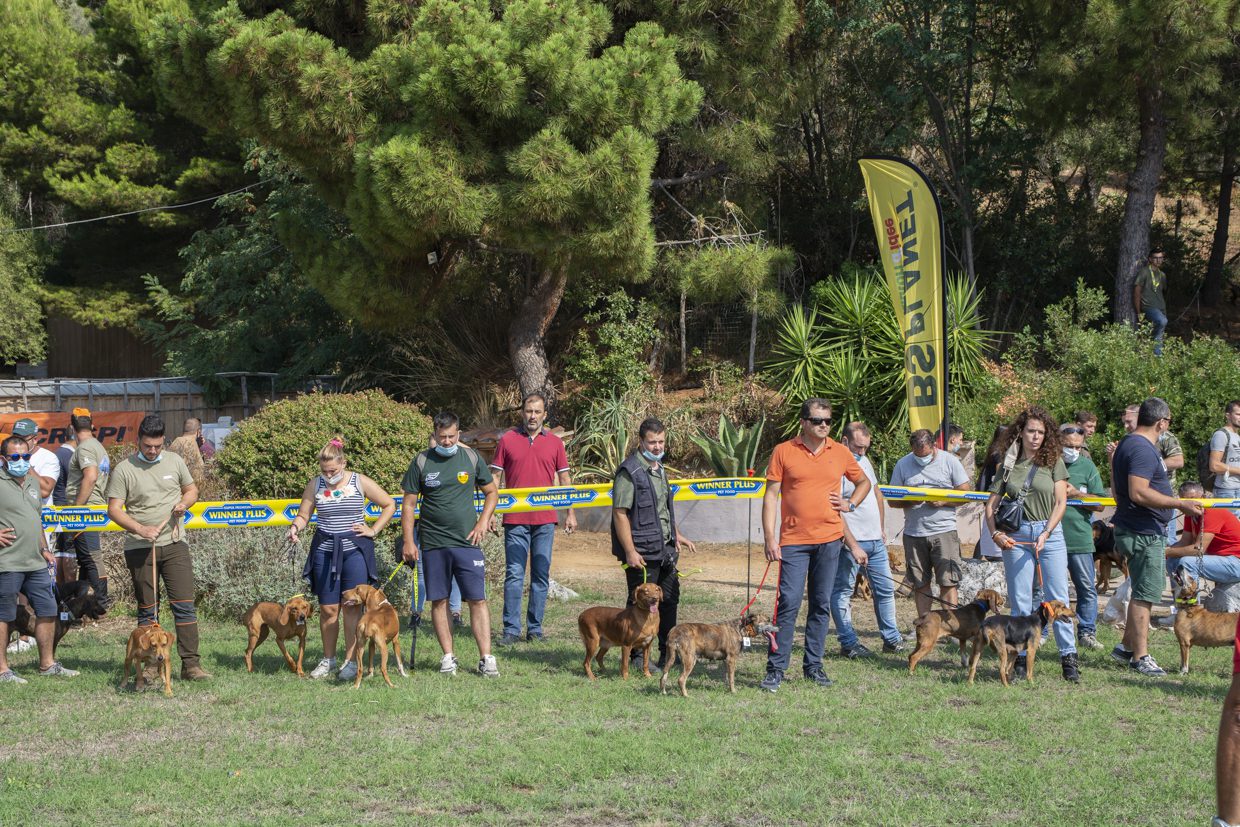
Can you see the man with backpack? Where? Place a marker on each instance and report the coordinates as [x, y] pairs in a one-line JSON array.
[[1218, 463]]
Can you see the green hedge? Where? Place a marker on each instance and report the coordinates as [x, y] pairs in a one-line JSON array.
[[273, 453]]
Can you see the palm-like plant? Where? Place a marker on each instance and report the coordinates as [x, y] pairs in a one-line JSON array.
[[735, 452]]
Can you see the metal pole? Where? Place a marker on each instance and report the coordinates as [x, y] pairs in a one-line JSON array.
[[25, 401], [749, 551], [125, 392], [158, 402], [245, 399], [90, 395], [57, 386]]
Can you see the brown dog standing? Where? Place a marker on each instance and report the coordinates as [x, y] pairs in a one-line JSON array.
[[286, 621], [380, 624], [635, 627], [962, 624], [1195, 625], [147, 643], [711, 641]]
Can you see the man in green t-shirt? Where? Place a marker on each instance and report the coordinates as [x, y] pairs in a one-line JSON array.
[[1078, 533], [1149, 296], [148, 495], [449, 534], [85, 484]]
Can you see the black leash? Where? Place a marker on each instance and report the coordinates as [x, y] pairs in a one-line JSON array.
[[912, 591]]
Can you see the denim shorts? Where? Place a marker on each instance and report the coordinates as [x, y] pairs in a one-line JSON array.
[[36, 585]]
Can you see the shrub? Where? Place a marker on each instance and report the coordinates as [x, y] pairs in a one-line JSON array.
[[609, 353], [274, 452]]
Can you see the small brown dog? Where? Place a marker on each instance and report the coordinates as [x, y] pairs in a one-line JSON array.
[[147, 643], [1007, 635], [635, 627], [380, 624], [961, 623], [711, 641], [1195, 625], [286, 621]]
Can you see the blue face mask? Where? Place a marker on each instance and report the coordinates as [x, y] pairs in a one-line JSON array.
[[856, 456], [924, 461], [142, 458], [653, 457], [447, 452], [18, 468]]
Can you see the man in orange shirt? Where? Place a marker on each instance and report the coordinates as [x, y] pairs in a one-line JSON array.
[[801, 482]]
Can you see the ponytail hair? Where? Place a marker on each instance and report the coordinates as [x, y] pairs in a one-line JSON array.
[[334, 449]]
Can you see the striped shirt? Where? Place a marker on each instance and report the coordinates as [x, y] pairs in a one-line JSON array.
[[338, 511]]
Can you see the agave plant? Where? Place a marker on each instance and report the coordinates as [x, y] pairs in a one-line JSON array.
[[601, 438], [735, 452]]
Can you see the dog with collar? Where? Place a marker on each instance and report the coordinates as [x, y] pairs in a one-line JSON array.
[[712, 641], [76, 601], [1007, 635], [962, 623], [287, 621], [1195, 625], [379, 624], [633, 628]]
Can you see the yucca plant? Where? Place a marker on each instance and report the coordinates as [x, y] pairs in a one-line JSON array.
[[601, 437], [735, 452]]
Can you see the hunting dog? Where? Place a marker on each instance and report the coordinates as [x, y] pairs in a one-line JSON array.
[[378, 625], [1195, 625], [1007, 635], [287, 621], [962, 623], [711, 641], [1106, 555], [77, 601], [148, 643], [634, 627]]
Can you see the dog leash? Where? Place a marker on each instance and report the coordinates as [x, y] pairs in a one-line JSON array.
[[645, 571], [759, 591], [897, 586]]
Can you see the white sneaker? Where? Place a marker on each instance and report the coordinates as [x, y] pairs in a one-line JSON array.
[[447, 666], [11, 677], [347, 672], [325, 667], [487, 667], [58, 671]]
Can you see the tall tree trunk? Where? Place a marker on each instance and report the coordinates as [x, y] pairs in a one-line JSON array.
[[527, 346], [1212, 288], [753, 336], [1134, 239], [684, 350]]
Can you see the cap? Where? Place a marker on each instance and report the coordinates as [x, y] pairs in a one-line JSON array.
[[81, 411], [25, 427]]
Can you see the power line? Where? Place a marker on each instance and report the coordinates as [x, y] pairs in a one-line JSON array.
[[133, 212]]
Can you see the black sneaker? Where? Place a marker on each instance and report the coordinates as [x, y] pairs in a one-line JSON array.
[[1146, 666], [1021, 665], [535, 637], [857, 650], [772, 680], [1071, 668], [896, 648], [818, 676], [509, 640], [456, 619], [1121, 654]]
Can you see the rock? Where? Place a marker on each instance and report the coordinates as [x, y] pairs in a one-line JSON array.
[[559, 592], [1224, 598], [975, 576]]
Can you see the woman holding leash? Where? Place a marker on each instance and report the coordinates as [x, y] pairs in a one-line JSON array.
[[342, 553], [1027, 502]]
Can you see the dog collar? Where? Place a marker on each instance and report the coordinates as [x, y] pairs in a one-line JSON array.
[[1186, 601], [985, 604]]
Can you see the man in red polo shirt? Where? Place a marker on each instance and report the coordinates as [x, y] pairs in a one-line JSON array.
[[803, 477], [530, 456], [1219, 531]]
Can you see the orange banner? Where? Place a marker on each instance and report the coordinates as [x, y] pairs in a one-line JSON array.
[[111, 427]]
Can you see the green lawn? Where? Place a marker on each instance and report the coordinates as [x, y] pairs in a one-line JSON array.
[[542, 745]]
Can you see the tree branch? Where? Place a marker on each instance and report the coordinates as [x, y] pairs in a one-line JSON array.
[[709, 172]]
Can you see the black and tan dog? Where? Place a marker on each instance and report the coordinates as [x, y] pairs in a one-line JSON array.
[[633, 627], [1195, 625], [287, 621], [962, 624], [711, 641], [76, 601], [1007, 635], [1106, 555], [379, 625]]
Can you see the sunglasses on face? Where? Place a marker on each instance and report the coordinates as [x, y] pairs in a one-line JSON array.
[[1072, 430], [818, 420], [16, 457]]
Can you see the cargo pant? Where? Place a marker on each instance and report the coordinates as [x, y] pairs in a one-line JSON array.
[[176, 567]]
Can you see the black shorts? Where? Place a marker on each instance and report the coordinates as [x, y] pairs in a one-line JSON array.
[[465, 563]]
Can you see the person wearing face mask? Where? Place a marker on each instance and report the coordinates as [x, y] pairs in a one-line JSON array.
[[442, 481], [1034, 471], [148, 495], [342, 553], [644, 536], [931, 541], [1078, 534], [1143, 508]]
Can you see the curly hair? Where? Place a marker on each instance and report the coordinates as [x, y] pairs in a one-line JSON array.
[[1050, 450]]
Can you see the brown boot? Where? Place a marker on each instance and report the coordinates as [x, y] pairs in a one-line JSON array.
[[194, 673]]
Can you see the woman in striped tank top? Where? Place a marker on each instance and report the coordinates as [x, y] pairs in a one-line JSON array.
[[342, 553]]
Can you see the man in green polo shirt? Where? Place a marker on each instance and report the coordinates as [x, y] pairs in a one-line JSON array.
[[1149, 296], [1078, 533], [25, 563]]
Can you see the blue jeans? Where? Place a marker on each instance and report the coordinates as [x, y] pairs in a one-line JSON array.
[[454, 599], [878, 569], [1081, 570], [1018, 566], [1211, 567], [1222, 492], [534, 542], [1158, 319], [815, 564]]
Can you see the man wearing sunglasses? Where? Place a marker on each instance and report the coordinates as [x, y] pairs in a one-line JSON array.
[[802, 483]]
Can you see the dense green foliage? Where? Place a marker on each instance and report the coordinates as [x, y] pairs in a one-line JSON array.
[[276, 451]]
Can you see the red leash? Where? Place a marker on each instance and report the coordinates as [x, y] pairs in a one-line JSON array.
[[775, 612], [760, 585]]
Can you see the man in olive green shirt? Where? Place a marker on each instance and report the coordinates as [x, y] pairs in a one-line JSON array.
[[148, 496], [85, 484], [1149, 296], [1078, 532], [25, 560]]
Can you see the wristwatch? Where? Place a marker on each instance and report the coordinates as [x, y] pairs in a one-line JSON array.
[[852, 506]]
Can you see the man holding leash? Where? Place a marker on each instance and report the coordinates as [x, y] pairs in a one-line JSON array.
[[148, 495], [803, 492]]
